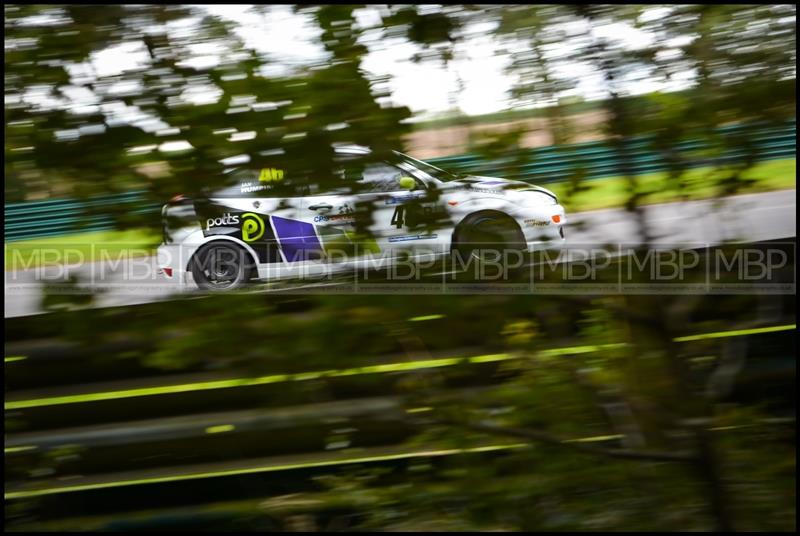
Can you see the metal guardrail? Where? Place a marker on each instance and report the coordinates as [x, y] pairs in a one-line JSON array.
[[598, 159], [39, 219]]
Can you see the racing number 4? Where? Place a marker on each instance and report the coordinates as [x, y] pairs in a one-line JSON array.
[[410, 216], [399, 216]]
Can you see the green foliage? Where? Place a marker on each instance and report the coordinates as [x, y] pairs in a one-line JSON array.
[[641, 396], [80, 247], [293, 114]]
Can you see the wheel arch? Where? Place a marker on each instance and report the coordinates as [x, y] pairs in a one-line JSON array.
[[228, 240], [473, 216]]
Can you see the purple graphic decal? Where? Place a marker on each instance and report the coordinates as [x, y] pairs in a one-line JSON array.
[[297, 239]]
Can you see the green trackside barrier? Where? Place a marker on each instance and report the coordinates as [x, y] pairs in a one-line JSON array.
[[38, 219], [599, 159]]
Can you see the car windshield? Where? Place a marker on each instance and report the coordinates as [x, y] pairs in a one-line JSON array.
[[431, 170]]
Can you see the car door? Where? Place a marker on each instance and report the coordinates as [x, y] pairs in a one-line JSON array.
[[398, 207], [370, 218], [333, 210], [403, 211], [424, 220], [354, 220]]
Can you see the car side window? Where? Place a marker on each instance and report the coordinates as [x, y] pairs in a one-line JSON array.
[[267, 182], [376, 177]]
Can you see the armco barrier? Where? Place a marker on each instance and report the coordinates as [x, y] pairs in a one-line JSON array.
[[35, 219], [40, 219], [599, 159]]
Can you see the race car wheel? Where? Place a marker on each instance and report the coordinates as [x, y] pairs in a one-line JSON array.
[[487, 238], [221, 266]]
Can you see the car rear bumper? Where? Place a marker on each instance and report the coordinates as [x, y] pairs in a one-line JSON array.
[[171, 261]]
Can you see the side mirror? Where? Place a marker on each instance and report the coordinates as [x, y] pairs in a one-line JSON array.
[[407, 183]]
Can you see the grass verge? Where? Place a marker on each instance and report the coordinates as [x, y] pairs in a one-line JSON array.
[[81, 247], [699, 183]]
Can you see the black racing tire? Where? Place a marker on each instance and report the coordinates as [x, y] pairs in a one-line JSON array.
[[221, 266], [487, 237]]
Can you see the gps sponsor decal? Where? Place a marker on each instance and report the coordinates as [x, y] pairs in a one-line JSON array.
[[345, 216], [337, 218]]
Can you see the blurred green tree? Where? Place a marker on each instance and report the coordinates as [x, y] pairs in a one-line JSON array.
[[656, 465]]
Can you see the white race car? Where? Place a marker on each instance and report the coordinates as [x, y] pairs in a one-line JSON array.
[[267, 226]]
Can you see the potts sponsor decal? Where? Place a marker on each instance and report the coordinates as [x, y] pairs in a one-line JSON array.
[[253, 227], [225, 219]]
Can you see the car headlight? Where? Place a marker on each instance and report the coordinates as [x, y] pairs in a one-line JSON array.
[[539, 198]]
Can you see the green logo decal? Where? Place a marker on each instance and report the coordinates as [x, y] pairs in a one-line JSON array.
[[270, 175], [252, 227]]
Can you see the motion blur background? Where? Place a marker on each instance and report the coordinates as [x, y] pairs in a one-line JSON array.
[[346, 412]]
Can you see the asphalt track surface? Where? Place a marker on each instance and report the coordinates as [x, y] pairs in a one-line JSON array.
[[685, 225]]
